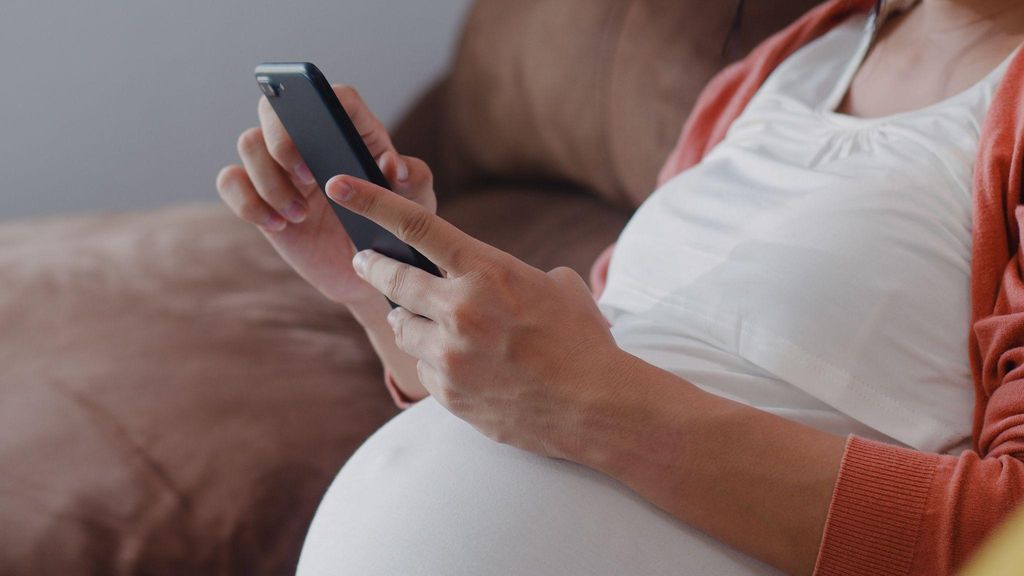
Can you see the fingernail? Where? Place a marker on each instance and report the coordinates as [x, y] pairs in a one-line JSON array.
[[403, 171], [340, 190], [295, 212], [359, 262], [393, 316], [273, 223], [303, 174]]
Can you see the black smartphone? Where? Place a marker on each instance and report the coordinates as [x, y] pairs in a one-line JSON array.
[[330, 145]]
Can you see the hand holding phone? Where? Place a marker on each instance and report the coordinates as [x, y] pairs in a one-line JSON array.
[[276, 190]]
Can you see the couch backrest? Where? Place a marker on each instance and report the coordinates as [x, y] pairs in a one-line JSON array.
[[590, 92]]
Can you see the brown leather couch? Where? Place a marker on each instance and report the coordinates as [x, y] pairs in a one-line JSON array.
[[174, 400]]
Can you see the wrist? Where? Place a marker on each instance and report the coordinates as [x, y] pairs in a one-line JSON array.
[[639, 409]]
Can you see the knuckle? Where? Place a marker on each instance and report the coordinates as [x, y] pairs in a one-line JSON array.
[[374, 133], [250, 211], [570, 276], [502, 274], [499, 276], [463, 255], [419, 166], [464, 318], [414, 226], [565, 277], [421, 370], [396, 282], [562, 272], [504, 287], [279, 146], [250, 141], [448, 396], [420, 173], [451, 360]]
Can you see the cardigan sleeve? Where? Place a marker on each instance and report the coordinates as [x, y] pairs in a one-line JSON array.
[[896, 511]]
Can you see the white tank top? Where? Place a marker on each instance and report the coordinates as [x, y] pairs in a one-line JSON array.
[[817, 265], [814, 266]]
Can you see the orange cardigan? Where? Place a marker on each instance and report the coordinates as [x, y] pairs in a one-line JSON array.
[[897, 511]]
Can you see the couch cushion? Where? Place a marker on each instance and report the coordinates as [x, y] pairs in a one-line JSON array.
[[175, 400], [544, 226], [591, 92]]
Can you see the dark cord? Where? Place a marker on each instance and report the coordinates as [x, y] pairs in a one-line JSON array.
[[734, 29]]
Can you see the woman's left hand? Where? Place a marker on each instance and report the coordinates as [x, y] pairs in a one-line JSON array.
[[522, 355]]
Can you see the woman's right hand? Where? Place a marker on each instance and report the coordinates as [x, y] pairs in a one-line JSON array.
[[274, 190]]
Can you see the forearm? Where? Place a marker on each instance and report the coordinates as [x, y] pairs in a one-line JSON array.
[[372, 315], [756, 481]]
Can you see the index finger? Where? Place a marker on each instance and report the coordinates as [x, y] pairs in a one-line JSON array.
[[438, 240]]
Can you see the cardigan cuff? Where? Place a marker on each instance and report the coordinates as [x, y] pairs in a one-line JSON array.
[[876, 512]]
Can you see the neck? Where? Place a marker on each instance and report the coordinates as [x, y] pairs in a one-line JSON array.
[[970, 16]]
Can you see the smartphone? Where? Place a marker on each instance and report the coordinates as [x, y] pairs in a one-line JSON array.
[[330, 145]]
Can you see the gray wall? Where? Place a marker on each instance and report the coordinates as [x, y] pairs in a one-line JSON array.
[[115, 105]]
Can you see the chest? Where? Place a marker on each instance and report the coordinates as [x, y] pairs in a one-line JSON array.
[[800, 204], [908, 69], [831, 253]]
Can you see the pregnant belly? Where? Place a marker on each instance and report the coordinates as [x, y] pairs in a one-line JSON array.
[[429, 495]]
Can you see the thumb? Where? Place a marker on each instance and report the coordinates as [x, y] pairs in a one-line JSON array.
[[409, 177]]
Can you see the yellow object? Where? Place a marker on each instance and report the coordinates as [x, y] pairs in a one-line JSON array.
[[1004, 554]]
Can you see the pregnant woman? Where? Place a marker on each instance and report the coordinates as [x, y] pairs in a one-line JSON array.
[[805, 355]]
